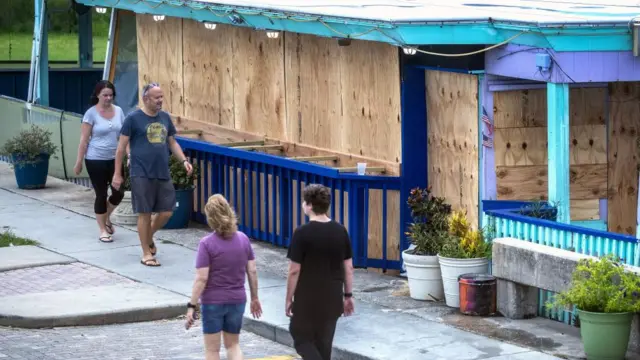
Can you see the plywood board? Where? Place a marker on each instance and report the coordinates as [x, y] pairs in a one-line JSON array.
[[452, 123], [528, 108], [370, 91], [161, 64], [375, 231], [624, 129], [531, 182], [314, 104], [523, 108], [208, 75], [588, 106], [259, 95], [528, 145], [585, 209]]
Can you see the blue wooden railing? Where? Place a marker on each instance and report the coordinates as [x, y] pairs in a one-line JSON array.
[[265, 191], [515, 219]]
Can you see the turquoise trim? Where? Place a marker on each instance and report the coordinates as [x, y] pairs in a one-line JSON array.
[[567, 38], [600, 225], [558, 144]]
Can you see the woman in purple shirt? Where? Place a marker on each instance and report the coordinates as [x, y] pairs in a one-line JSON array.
[[223, 258]]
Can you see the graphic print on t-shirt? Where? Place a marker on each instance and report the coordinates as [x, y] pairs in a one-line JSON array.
[[156, 133]]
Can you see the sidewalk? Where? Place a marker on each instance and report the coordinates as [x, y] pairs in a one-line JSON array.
[[387, 324]]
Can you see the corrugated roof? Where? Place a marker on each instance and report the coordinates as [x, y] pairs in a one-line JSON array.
[[538, 12]]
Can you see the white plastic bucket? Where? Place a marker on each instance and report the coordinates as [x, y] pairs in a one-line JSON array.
[[452, 268], [423, 273]]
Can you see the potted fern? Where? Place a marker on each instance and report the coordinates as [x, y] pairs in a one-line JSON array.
[[464, 251], [30, 152], [184, 185], [606, 297], [427, 233]]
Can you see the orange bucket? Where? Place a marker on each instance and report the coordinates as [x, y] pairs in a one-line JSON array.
[[478, 294]]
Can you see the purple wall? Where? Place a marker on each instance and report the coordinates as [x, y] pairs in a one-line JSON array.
[[489, 190], [519, 61]]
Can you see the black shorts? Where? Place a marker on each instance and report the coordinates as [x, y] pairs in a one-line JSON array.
[[152, 195]]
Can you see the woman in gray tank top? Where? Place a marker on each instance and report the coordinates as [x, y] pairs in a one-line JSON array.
[[101, 126]]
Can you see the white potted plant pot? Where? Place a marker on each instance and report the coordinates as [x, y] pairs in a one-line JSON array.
[[124, 214], [423, 274], [452, 268]]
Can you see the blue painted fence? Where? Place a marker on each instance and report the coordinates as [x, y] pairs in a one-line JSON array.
[[265, 191], [69, 89], [514, 219]]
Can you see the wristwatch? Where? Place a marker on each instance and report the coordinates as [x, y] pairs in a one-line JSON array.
[[190, 306], [348, 295]]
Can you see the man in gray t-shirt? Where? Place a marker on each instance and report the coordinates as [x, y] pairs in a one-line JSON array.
[[150, 134]]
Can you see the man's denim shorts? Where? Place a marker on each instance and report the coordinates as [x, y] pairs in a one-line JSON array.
[[222, 317]]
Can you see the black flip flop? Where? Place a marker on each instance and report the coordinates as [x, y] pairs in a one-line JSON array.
[[105, 239], [152, 246], [150, 262], [109, 228]]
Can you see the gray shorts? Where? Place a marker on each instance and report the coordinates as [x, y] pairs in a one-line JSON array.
[[152, 195]]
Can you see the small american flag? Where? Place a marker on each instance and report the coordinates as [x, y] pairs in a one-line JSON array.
[[487, 131]]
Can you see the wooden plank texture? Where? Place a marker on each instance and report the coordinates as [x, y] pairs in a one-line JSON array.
[[208, 75], [370, 88], [528, 108], [259, 96], [530, 182], [528, 145], [452, 135], [624, 128], [161, 64], [314, 104]]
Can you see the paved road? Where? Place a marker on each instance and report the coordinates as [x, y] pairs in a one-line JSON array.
[[159, 340]]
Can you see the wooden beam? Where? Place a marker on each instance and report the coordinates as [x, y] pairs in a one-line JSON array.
[[213, 133], [190, 132], [315, 158], [244, 143], [355, 169], [261, 147]]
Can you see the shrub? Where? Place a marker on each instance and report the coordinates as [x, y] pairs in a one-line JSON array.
[[30, 144], [464, 242], [181, 180], [429, 228], [601, 286]]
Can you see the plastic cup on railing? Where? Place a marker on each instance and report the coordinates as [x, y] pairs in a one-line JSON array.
[[361, 168]]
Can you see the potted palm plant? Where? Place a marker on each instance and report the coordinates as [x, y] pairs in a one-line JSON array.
[[30, 152], [184, 185], [464, 251], [427, 233], [606, 297]]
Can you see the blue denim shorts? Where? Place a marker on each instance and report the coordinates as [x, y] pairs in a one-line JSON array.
[[222, 317]]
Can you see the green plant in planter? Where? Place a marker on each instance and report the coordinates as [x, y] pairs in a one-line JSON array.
[[29, 145], [464, 242], [429, 228], [601, 286], [182, 180], [606, 297]]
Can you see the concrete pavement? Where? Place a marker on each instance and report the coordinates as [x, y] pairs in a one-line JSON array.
[[54, 290], [159, 340], [387, 323]]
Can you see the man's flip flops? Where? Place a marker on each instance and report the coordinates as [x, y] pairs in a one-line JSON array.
[[105, 239], [150, 262]]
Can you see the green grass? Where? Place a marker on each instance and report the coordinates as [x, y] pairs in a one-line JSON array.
[[62, 47], [7, 238]]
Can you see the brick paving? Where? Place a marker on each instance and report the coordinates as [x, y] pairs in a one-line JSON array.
[[56, 278], [166, 340]]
